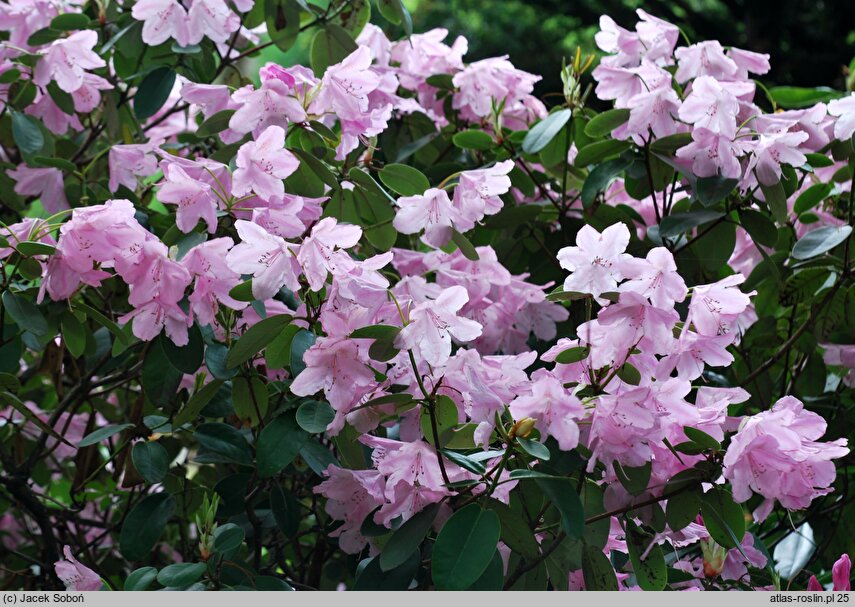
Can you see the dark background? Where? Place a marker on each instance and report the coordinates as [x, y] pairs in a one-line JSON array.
[[810, 42]]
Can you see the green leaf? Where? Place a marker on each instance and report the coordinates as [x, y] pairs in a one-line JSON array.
[[30, 249], [818, 161], [465, 246], [682, 508], [25, 313], [395, 12], [318, 168], [224, 441], [404, 180], [776, 199], [473, 139], [593, 153], [812, 197], [382, 332], [283, 22], [723, 518], [710, 190], [160, 379], [153, 92], [534, 448], [215, 361], [545, 131], [145, 524], [464, 462], [561, 492], [372, 577], [446, 415], [629, 374], [600, 178], [633, 478], [603, 124], [678, 223], [25, 130], [314, 416], [597, 570], [301, 342], [819, 241], [180, 575], [56, 163], [761, 229], [242, 291], [515, 532], [228, 537], [286, 510], [572, 355], [492, 578], [250, 399], [45, 35], [140, 579], [187, 358], [197, 402], [407, 538], [795, 97], [465, 547], [215, 124], [151, 460], [102, 434], [70, 21], [330, 45], [277, 354], [702, 438], [256, 338], [278, 445], [650, 571], [667, 146], [63, 101]]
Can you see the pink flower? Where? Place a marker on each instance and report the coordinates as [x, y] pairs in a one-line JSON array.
[[67, 59], [488, 83], [195, 199], [840, 574], [844, 109], [345, 87], [76, 576], [622, 428], [433, 323], [128, 162], [163, 19], [655, 278], [713, 154], [318, 256], [87, 97], [263, 164], [715, 307], [710, 106], [704, 59], [773, 150], [211, 18], [270, 260], [339, 368], [46, 183], [595, 261], [776, 453], [432, 212], [555, 409], [272, 104], [477, 193], [214, 279], [351, 495]]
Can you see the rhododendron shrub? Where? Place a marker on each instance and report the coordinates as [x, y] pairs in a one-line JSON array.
[[390, 321]]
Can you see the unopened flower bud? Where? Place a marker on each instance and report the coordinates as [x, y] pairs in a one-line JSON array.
[[714, 557], [522, 428]]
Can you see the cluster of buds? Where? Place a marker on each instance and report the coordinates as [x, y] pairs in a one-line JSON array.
[[571, 77], [206, 525]]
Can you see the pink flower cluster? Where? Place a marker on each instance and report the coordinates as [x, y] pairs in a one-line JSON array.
[[731, 135]]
